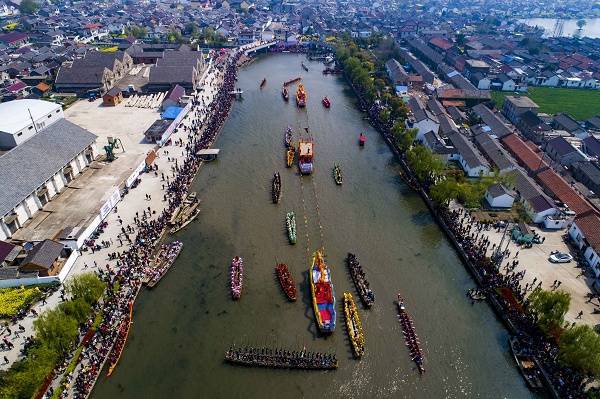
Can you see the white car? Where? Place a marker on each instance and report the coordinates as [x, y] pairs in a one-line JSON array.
[[560, 257]]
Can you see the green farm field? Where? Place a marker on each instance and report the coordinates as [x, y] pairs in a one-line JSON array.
[[580, 104]]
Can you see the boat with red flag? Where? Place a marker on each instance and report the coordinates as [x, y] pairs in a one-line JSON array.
[[326, 102]]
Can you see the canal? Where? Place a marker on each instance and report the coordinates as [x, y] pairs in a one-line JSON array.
[[183, 327]]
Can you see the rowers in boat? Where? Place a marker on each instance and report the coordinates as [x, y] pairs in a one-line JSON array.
[[337, 174], [276, 188], [237, 277], [263, 83], [290, 156], [362, 139], [287, 138], [408, 330], [304, 66], [360, 281], [286, 281], [354, 326], [290, 224], [326, 102], [323, 294], [285, 94]]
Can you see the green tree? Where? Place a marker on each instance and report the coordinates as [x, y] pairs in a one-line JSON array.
[[86, 286], [445, 191], [56, 330], [28, 7], [550, 308], [579, 348], [426, 166], [581, 23], [78, 309], [138, 32]]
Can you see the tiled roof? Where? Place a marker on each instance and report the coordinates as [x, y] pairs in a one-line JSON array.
[[492, 120], [589, 224], [524, 154], [27, 166], [44, 254], [563, 191]]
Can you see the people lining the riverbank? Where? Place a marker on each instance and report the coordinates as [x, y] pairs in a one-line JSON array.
[[133, 263], [498, 278]]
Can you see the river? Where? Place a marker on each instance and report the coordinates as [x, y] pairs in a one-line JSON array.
[[183, 327], [590, 29]]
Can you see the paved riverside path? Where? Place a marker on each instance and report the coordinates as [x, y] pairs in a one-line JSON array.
[[134, 201]]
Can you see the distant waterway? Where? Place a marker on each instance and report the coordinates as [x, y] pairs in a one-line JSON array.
[[569, 28], [183, 327]]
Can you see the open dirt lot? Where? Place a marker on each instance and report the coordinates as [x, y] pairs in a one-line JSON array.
[[81, 200], [535, 261]]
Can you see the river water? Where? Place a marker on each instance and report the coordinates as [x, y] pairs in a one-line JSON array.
[[590, 29], [183, 327]]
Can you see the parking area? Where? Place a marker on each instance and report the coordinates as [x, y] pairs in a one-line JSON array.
[[80, 202], [535, 261]]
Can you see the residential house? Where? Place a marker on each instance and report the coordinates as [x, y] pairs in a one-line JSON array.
[[492, 120], [492, 150], [584, 233], [498, 196], [588, 173], [173, 97], [514, 106], [561, 151], [46, 259], [14, 39], [563, 121], [396, 73], [472, 162], [422, 119], [533, 127], [537, 205], [591, 146]]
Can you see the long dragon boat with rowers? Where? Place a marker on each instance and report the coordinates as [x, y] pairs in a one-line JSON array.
[[276, 188], [164, 260], [237, 277], [119, 345], [290, 224], [323, 294], [301, 96], [337, 174], [354, 326], [287, 138], [410, 337], [288, 285], [360, 281], [282, 359], [263, 83]]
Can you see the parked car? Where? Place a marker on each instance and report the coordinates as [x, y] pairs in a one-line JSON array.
[[560, 257]]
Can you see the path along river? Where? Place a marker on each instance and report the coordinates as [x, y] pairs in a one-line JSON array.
[[183, 327]]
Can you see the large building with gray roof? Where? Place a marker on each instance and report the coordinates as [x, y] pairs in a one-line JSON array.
[[37, 170]]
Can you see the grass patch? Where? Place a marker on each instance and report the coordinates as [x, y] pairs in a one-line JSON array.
[[581, 104]]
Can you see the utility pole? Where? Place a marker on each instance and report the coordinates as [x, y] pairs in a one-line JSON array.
[[32, 121]]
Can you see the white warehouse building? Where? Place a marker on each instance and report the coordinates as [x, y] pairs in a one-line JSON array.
[[22, 119], [36, 170]]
